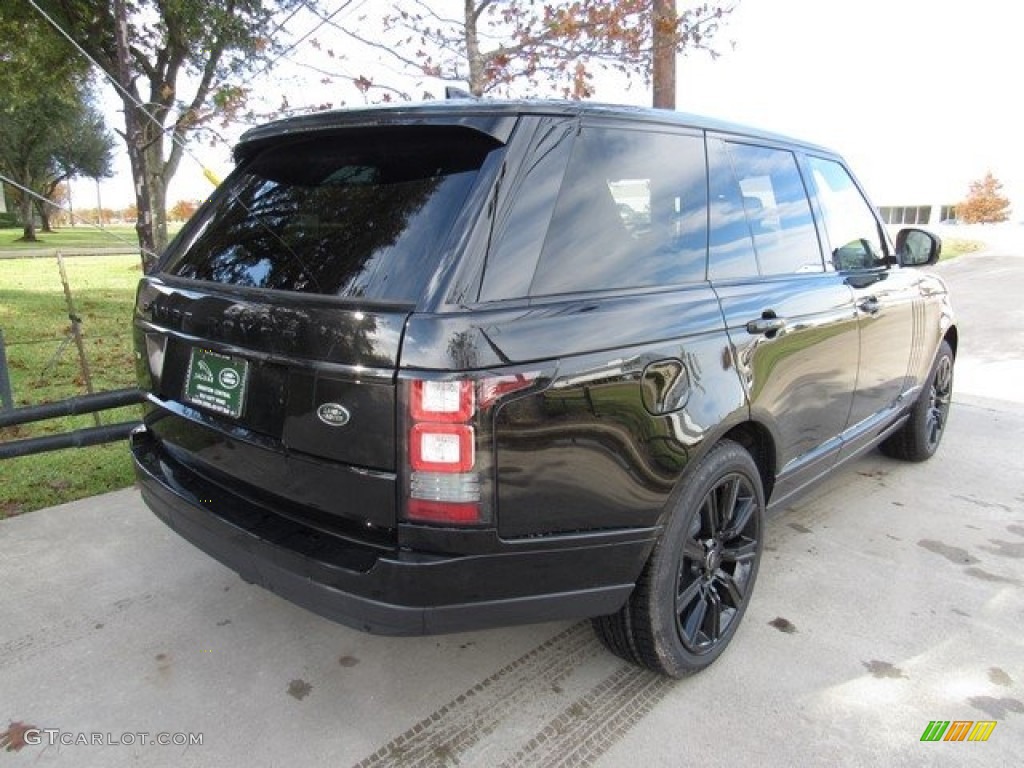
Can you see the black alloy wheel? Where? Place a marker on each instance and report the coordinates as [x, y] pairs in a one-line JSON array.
[[717, 565], [695, 588], [918, 439]]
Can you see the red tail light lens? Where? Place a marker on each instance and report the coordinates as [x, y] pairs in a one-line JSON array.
[[443, 512], [441, 448], [444, 401]]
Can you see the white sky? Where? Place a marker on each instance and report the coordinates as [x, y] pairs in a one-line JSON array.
[[921, 96]]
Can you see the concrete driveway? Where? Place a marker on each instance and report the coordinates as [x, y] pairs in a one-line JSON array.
[[890, 598]]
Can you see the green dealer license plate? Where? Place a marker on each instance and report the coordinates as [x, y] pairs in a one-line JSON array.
[[216, 382]]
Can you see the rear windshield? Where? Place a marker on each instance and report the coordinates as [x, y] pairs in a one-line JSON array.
[[354, 214]]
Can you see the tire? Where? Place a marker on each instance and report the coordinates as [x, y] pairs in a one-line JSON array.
[[696, 585], [919, 437], [617, 634]]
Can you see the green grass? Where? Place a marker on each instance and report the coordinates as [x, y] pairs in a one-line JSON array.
[[954, 246], [34, 320], [80, 236]]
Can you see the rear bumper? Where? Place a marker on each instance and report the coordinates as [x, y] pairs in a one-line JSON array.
[[397, 592]]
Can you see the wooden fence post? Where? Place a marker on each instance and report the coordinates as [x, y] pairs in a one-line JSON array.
[[76, 331]]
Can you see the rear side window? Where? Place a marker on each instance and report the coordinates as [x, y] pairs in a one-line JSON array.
[[631, 213], [777, 209], [517, 241], [354, 214]]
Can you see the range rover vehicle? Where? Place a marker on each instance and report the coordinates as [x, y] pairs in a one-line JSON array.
[[433, 368]]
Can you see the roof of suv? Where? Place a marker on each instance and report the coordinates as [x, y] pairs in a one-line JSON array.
[[494, 117]]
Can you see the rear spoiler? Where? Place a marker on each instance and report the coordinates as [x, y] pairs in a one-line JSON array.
[[498, 124], [454, 92]]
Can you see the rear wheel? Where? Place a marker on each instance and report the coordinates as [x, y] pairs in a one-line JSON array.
[[695, 588], [919, 437]]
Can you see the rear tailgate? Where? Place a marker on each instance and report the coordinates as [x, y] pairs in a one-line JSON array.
[[269, 337], [286, 402]]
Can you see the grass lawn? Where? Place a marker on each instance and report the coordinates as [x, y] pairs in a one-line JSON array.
[[80, 236], [34, 321], [954, 246]]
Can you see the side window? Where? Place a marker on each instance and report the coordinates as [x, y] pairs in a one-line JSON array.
[[777, 210], [631, 213], [731, 246], [519, 238], [852, 229]]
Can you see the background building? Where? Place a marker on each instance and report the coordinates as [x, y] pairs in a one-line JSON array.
[[923, 215]]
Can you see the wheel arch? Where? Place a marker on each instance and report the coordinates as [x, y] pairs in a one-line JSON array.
[[757, 441], [952, 337], [754, 437]]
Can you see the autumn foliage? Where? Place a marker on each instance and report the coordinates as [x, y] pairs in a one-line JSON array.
[[522, 48], [984, 203], [182, 210]]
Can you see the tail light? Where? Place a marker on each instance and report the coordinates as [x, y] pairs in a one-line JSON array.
[[444, 484], [449, 460], [443, 401]]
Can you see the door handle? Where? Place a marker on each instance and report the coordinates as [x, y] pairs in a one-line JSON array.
[[767, 325], [869, 305]]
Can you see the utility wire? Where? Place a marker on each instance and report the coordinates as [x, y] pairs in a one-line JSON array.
[[293, 46], [285, 54], [206, 171], [125, 92], [210, 175], [131, 98]]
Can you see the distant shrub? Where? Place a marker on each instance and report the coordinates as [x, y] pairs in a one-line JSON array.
[[8, 221]]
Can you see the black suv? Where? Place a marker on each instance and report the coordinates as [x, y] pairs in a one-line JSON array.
[[431, 368]]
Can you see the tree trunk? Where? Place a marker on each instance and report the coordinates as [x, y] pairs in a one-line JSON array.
[[663, 54], [136, 123], [140, 172], [157, 175], [28, 219], [157, 201], [44, 216], [473, 55]]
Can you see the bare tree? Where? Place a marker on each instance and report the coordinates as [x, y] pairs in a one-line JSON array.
[[519, 48]]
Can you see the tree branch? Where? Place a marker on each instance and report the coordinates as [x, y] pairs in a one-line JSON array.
[[382, 47], [188, 115], [432, 13], [481, 8]]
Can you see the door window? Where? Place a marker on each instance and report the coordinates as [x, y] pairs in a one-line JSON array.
[[777, 210], [853, 232], [732, 253]]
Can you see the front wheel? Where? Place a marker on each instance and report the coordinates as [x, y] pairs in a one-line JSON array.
[[695, 588], [919, 437]]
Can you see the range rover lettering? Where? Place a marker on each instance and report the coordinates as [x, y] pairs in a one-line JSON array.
[[432, 368]]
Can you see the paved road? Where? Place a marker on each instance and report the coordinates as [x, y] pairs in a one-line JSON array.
[[989, 298], [890, 598]]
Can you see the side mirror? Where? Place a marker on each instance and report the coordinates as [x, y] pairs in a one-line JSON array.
[[917, 248]]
